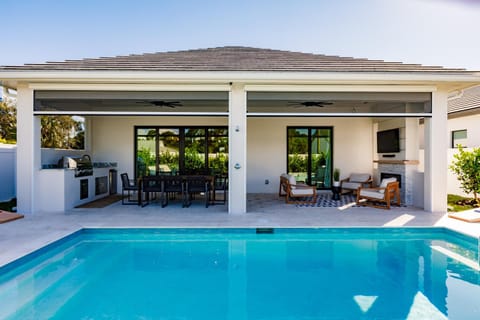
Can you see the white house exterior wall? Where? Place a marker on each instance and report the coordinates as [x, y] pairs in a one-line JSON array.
[[266, 143], [113, 137], [8, 169], [471, 124], [267, 148]]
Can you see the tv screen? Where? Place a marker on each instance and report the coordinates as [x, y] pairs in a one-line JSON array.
[[388, 141]]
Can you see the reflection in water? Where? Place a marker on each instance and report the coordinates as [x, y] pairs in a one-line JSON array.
[[245, 276]]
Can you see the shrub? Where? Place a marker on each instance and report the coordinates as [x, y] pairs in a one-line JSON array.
[[466, 165]]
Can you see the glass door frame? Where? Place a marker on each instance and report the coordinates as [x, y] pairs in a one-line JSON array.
[[309, 151], [181, 137]]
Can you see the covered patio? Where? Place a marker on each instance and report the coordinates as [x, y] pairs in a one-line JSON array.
[[259, 97]]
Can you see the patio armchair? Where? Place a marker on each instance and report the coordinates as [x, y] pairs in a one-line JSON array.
[[220, 185], [355, 181], [172, 185], [197, 185], [296, 192], [129, 187], [149, 184], [387, 192]]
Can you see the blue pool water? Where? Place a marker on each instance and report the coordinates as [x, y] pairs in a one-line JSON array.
[[240, 274]]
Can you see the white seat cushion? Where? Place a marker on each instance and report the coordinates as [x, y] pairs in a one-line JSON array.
[[292, 180], [302, 192], [371, 193], [359, 177], [386, 181]]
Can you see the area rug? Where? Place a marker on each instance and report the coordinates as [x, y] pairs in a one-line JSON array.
[[324, 200], [102, 203], [467, 216], [6, 216]]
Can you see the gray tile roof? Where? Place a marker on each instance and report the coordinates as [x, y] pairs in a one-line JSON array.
[[469, 100], [233, 59]]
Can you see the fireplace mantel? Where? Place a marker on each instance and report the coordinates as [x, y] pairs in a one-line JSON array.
[[404, 162]]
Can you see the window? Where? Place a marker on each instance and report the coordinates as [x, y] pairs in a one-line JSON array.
[[459, 137], [181, 150]]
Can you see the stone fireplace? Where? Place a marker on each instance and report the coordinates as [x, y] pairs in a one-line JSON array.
[[404, 171], [386, 175]]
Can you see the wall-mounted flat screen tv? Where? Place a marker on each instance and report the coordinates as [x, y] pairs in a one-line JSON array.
[[388, 141]]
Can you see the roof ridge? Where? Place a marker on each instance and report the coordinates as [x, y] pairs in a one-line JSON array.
[[233, 58]]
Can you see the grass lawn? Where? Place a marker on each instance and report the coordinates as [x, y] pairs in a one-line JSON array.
[[8, 205], [459, 203]]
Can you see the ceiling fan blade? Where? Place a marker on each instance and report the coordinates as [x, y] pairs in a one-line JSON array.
[[308, 104]]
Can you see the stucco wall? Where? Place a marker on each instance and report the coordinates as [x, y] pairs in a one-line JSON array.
[[472, 124], [267, 147], [112, 139], [8, 171]]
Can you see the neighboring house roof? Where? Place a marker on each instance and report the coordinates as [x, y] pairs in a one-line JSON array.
[[233, 59], [467, 103]]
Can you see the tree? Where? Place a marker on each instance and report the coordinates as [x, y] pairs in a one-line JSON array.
[[63, 132], [466, 165], [8, 122]]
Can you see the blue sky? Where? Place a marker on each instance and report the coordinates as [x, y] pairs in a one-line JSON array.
[[430, 32]]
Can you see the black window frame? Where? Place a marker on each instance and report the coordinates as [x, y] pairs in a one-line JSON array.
[[454, 146], [309, 164], [181, 137]]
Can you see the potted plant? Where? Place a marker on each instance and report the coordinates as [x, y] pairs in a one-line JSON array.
[[336, 177]]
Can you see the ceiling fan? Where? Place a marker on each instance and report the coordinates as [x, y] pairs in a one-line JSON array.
[[162, 103], [309, 104]]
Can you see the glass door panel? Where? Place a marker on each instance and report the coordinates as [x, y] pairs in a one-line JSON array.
[[298, 153], [146, 150], [218, 155], [194, 151], [168, 151], [320, 158]]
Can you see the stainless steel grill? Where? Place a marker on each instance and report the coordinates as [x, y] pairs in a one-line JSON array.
[[83, 165]]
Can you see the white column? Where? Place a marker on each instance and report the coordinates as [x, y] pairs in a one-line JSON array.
[[28, 150], [436, 164], [237, 149]]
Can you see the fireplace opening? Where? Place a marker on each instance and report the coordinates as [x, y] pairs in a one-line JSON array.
[[385, 175]]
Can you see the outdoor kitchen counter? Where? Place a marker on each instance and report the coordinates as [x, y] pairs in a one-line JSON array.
[[63, 191]]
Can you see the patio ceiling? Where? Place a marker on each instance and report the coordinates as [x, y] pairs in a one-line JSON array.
[[132, 102], [216, 103]]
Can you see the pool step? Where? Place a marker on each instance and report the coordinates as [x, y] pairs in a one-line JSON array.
[[39, 279]]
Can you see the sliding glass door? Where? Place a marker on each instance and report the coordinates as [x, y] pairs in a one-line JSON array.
[[181, 150], [309, 156]]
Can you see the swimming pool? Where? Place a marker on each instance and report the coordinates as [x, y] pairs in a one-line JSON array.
[[340, 273]]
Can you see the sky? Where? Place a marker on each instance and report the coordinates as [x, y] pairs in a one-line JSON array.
[[428, 32]]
